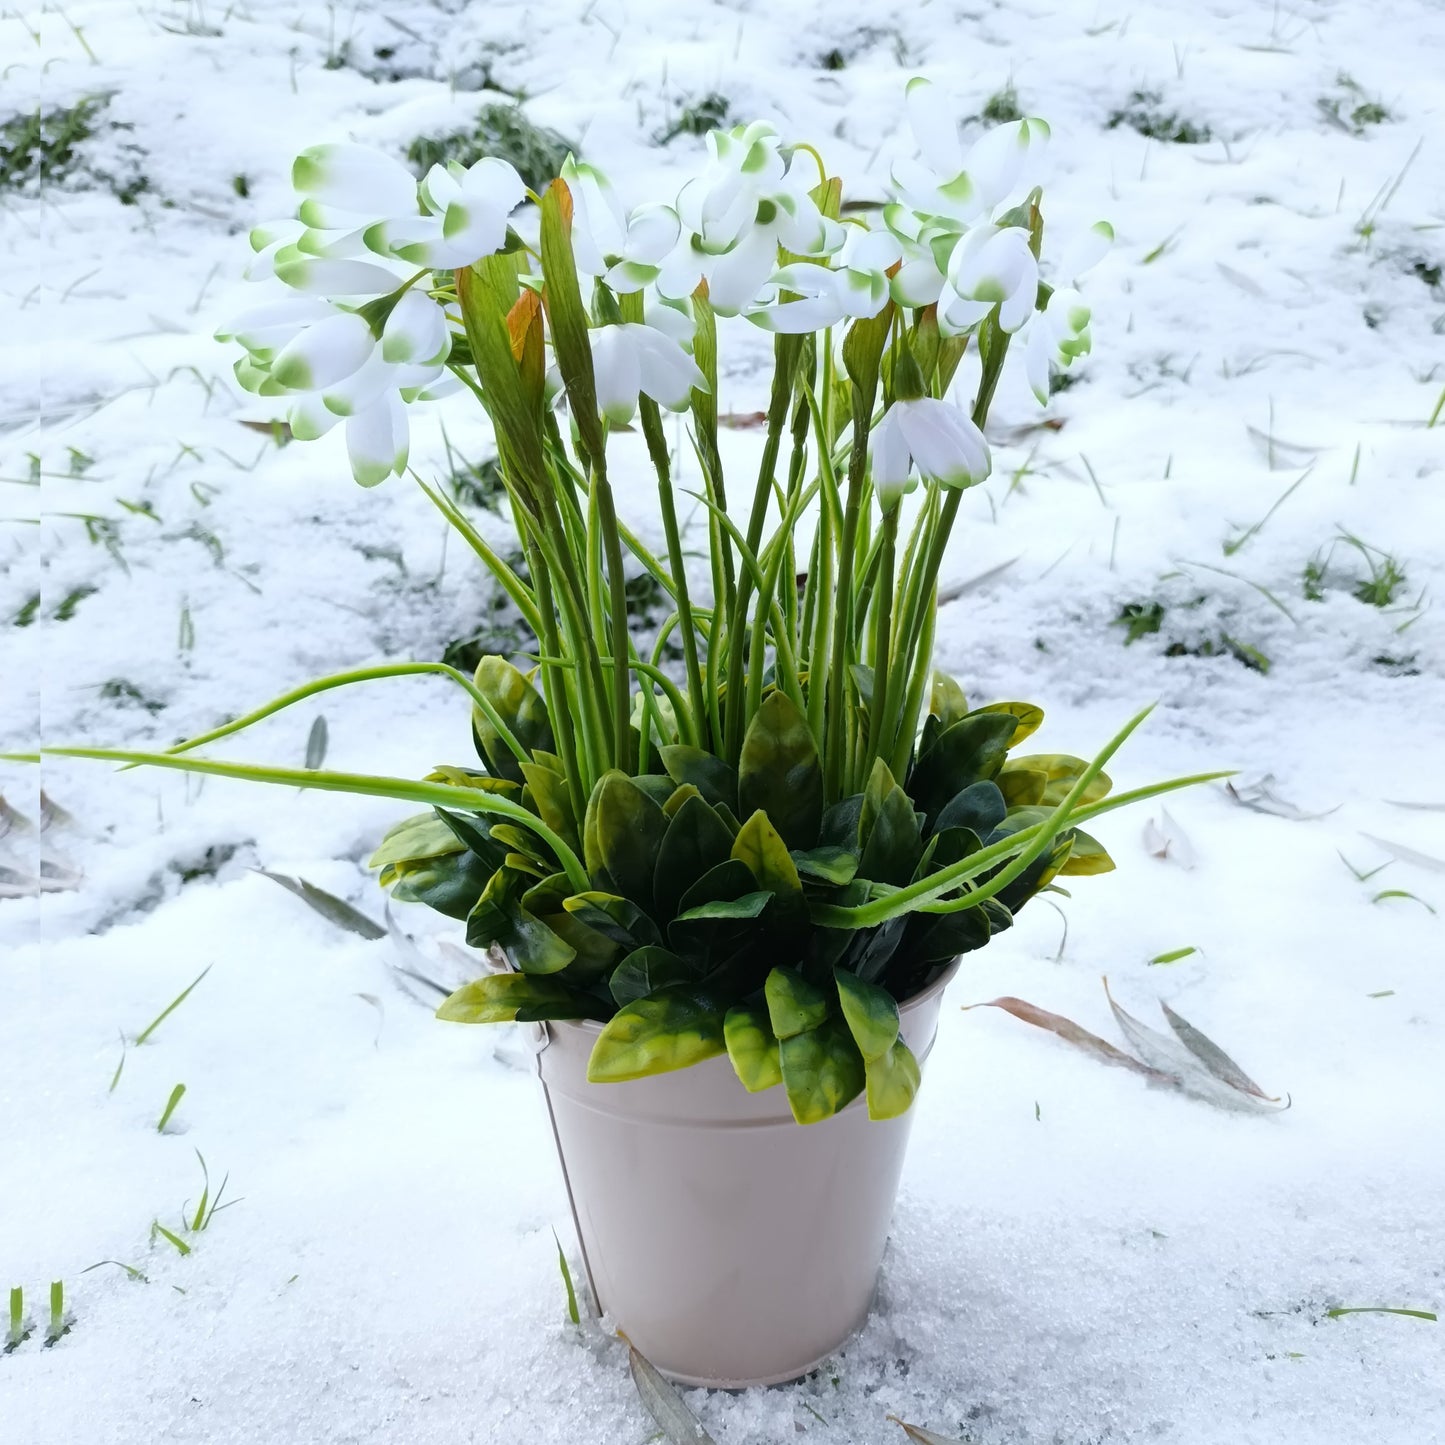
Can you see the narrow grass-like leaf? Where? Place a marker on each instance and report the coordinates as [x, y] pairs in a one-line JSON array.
[[333, 909], [58, 1325], [920, 1436], [1174, 955], [131, 1272], [1071, 1033], [572, 1313], [177, 1094], [182, 1248], [164, 1014], [1388, 893], [678, 1424], [115, 1077], [1335, 1314], [316, 741]]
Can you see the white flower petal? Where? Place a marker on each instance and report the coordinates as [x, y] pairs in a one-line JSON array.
[[360, 390], [1086, 252], [323, 277], [1037, 349], [795, 318], [309, 419], [355, 178], [652, 232], [892, 462], [416, 331], [917, 282], [377, 440], [266, 328], [673, 321], [736, 278], [324, 353], [666, 372], [935, 127], [996, 161], [618, 373]]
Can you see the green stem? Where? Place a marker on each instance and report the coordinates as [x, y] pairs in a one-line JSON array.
[[882, 640], [435, 795], [621, 642]]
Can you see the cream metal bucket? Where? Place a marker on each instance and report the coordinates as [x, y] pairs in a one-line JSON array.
[[732, 1245]]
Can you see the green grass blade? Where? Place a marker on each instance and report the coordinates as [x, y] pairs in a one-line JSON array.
[[164, 1014]]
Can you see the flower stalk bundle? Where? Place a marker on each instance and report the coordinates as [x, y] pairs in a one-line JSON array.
[[765, 845]]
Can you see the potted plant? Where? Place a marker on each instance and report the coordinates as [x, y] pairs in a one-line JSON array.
[[727, 870]]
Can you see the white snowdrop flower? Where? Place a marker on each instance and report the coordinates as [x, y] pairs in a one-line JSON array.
[[951, 183], [932, 437], [749, 201], [629, 358], [1055, 336], [991, 266], [264, 330], [467, 211], [625, 250], [824, 296]]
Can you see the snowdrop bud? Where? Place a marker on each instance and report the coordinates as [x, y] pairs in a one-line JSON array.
[[934, 437], [991, 266]]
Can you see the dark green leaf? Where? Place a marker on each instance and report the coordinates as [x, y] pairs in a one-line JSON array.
[[830, 863], [1063, 772], [553, 801], [644, 971], [947, 702], [547, 902], [334, 910], [519, 705], [450, 883], [968, 752], [779, 771], [712, 777], [617, 918], [696, 841], [889, 828], [501, 918], [1030, 718], [630, 828]]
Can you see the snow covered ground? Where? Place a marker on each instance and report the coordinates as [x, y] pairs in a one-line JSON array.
[[1077, 1257]]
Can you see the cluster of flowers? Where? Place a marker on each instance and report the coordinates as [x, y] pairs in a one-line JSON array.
[[370, 325]]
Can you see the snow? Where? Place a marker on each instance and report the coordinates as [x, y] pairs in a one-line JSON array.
[[1077, 1257]]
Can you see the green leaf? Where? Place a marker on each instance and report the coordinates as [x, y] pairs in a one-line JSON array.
[[889, 828], [794, 1004], [748, 906], [1022, 787], [1030, 718], [423, 835], [553, 802], [980, 807], [619, 919], [595, 951], [760, 846], [671, 1029], [336, 911], [696, 841], [520, 707], [1087, 856], [713, 778], [822, 1071], [1063, 772], [500, 917], [828, 862], [863, 351], [967, 752], [947, 702], [893, 1081], [644, 971], [779, 771], [630, 828], [752, 1048], [871, 1014], [497, 997]]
